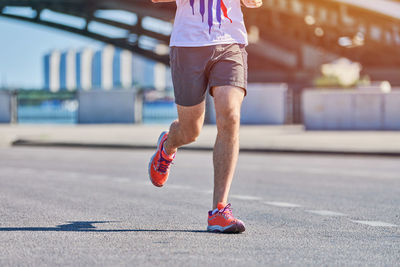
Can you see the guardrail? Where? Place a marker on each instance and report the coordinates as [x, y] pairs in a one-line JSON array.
[[265, 104], [45, 107], [140, 105]]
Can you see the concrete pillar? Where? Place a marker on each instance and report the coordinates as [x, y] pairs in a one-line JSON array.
[[55, 58], [159, 76], [86, 69], [107, 58], [71, 70], [126, 69]]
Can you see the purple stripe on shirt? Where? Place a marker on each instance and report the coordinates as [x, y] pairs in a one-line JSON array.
[[219, 19], [202, 9], [210, 14], [192, 5]]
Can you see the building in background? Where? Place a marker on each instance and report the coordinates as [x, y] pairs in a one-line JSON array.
[[107, 69]]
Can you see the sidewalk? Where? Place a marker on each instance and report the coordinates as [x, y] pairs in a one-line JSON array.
[[272, 139]]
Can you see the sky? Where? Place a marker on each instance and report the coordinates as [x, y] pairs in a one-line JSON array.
[[22, 46]]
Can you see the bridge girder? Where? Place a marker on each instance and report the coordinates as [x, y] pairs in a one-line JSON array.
[[289, 24], [86, 10], [374, 37]]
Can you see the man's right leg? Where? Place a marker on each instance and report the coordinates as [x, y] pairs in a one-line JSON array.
[[186, 128], [182, 131]]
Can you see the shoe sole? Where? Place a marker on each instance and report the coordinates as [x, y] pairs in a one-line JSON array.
[[151, 160], [234, 228]]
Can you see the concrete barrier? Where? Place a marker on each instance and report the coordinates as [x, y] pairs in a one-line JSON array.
[[5, 107], [391, 120], [329, 115], [367, 111], [106, 106], [350, 110], [264, 104]]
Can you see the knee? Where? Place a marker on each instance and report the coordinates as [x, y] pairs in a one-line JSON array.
[[229, 121], [190, 134]]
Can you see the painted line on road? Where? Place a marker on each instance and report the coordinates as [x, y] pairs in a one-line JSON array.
[[244, 197], [146, 183], [326, 213], [282, 204], [328, 171], [175, 186], [123, 179], [99, 177], [70, 175], [375, 223]]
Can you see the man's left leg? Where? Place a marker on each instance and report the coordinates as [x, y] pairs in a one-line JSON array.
[[228, 101]]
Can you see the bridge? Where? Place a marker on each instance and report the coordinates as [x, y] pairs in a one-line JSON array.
[[289, 39]]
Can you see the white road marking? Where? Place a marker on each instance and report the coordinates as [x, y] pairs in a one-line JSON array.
[[175, 186], [52, 172], [327, 171], [123, 179], [326, 213], [145, 184], [282, 204], [72, 174], [27, 170], [97, 177], [244, 197], [375, 223]]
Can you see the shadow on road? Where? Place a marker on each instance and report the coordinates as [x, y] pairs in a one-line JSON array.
[[81, 226]]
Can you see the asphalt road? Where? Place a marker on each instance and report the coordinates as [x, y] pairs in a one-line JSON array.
[[79, 207]]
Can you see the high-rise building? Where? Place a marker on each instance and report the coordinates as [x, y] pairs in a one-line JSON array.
[[106, 69]]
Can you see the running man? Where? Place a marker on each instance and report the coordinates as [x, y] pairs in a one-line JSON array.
[[207, 51]]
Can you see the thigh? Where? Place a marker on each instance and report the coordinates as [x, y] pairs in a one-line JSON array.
[[228, 101], [191, 118], [188, 74], [230, 68]]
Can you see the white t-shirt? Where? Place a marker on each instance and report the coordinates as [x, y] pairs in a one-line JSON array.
[[208, 22]]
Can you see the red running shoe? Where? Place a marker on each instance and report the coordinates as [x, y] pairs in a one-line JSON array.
[[221, 220], [160, 163]]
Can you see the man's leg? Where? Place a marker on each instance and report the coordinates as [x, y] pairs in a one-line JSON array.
[[182, 131], [186, 128], [227, 101]]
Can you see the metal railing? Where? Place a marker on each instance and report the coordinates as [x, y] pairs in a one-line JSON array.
[[46, 107], [151, 106], [39, 106], [157, 106]]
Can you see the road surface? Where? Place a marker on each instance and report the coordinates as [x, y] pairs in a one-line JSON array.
[[61, 206]]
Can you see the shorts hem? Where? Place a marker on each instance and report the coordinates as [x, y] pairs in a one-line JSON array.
[[191, 104], [231, 83]]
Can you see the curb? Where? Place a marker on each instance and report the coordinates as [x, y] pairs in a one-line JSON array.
[[30, 143]]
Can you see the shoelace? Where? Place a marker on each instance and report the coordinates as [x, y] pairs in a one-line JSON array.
[[163, 164], [227, 211]]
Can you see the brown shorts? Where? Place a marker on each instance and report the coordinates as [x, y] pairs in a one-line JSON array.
[[194, 69]]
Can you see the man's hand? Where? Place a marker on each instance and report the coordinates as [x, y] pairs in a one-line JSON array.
[[252, 3]]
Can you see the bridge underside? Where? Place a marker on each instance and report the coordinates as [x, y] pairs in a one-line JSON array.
[[289, 39]]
